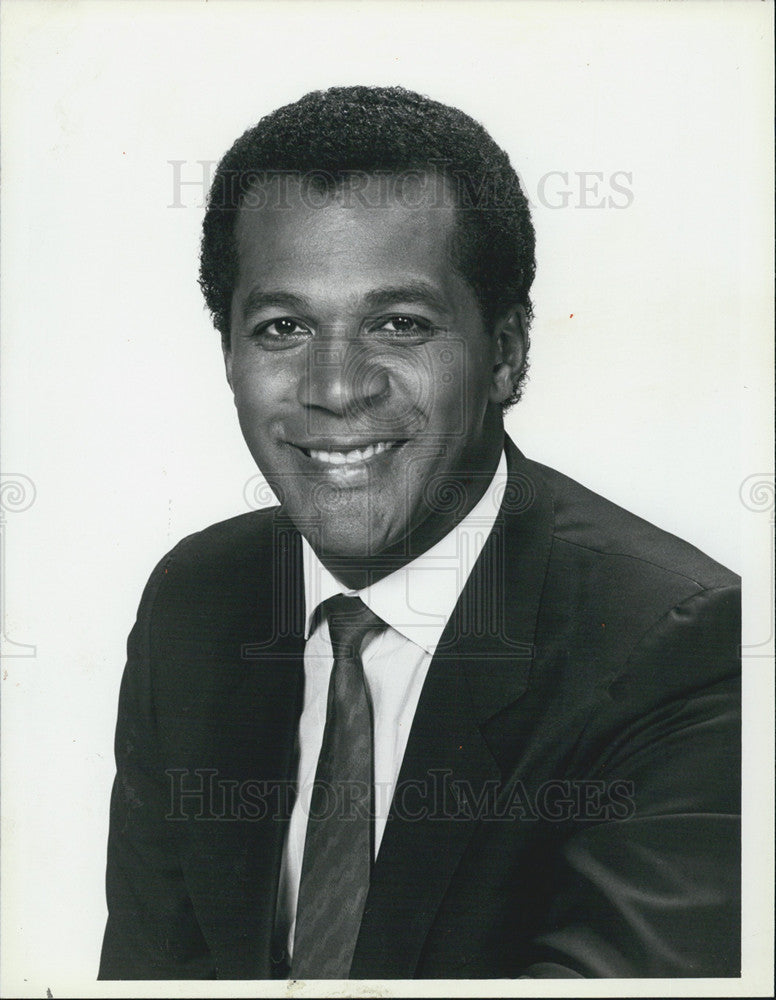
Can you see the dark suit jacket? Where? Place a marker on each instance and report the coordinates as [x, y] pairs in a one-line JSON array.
[[568, 802]]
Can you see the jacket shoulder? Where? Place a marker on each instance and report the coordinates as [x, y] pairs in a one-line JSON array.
[[224, 545], [590, 522], [215, 566]]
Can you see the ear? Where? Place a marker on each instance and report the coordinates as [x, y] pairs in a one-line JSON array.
[[511, 336], [226, 347]]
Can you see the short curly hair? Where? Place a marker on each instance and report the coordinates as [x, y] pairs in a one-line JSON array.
[[343, 131]]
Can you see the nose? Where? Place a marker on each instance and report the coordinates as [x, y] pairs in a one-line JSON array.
[[342, 375]]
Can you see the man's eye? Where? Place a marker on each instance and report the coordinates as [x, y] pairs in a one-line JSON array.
[[404, 326], [284, 328]]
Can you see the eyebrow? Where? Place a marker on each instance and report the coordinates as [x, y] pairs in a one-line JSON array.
[[411, 292], [258, 299], [419, 292]]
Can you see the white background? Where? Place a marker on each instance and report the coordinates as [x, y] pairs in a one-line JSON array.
[[656, 392]]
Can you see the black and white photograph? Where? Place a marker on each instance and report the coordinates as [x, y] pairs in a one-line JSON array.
[[387, 527]]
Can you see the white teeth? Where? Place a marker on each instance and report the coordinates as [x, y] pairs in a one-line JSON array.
[[350, 457]]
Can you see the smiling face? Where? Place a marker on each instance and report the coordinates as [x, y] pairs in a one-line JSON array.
[[366, 385]]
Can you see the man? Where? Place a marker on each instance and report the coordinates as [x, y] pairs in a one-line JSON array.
[[443, 712]]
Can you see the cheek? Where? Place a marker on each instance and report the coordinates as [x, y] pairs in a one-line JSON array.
[[256, 407], [460, 383], [260, 387]]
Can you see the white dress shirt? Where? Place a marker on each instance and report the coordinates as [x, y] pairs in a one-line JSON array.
[[416, 602]]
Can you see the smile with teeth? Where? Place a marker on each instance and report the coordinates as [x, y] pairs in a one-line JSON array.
[[352, 457]]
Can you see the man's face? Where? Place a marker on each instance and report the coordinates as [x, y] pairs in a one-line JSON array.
[[362, 373]]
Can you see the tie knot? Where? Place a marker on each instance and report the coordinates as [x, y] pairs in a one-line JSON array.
[[349, 622]]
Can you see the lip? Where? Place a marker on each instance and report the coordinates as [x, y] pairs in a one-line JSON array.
[[348, 461]]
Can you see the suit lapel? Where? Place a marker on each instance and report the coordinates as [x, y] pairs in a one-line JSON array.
[[481, 665]]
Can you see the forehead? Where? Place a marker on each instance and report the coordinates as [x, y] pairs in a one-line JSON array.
[[294, 230]]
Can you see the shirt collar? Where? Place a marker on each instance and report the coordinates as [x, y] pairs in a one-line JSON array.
[[418, 599]]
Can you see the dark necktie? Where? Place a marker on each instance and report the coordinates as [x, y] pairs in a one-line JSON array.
[[338, 846]]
